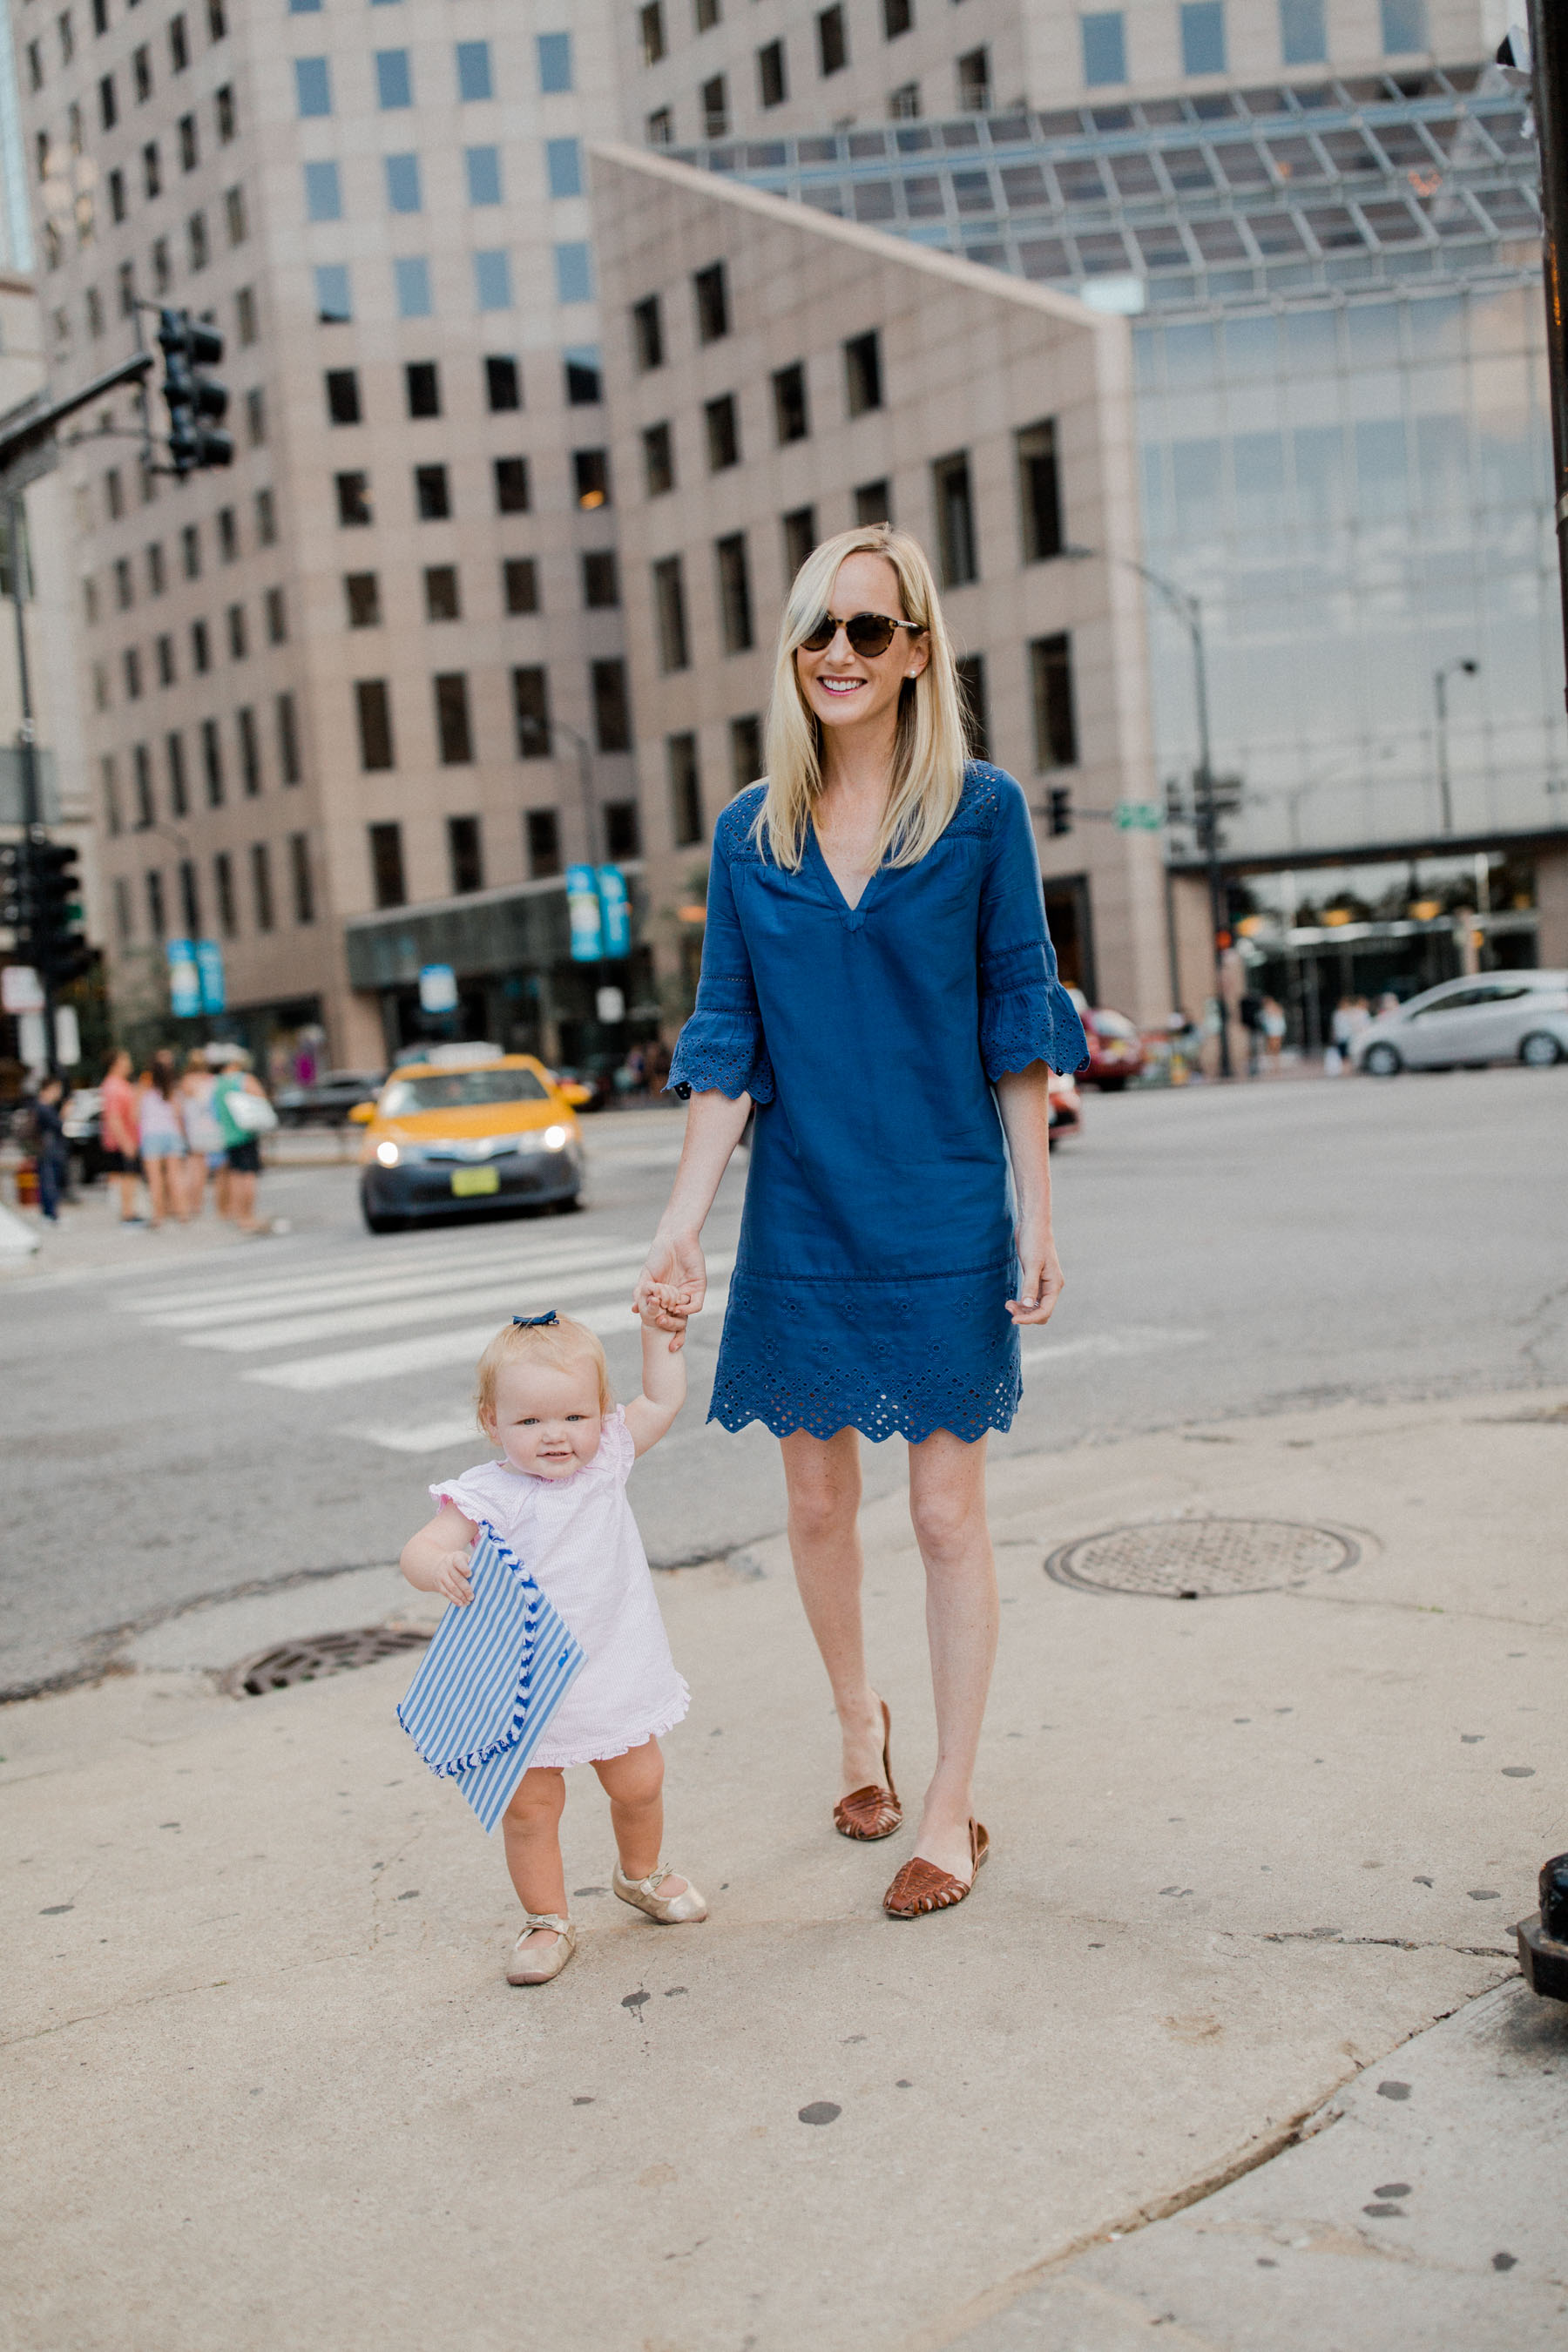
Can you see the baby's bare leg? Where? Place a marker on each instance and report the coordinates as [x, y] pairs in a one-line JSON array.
[[530, 1826], [633, 1784]]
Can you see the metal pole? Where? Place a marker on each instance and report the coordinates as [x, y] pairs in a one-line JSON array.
[[1549, 66], [32, 811], [1208, 824], [1445, 791]]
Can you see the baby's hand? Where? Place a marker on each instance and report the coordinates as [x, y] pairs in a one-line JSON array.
[[452, 1578], [664, 1302]]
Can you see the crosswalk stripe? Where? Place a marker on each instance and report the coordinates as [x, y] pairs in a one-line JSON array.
[[501, 1297], [348, 1366], [358, 1267], [376, 1290], [1136, 1339]]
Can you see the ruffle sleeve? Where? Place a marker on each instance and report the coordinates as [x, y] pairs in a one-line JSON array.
[[617, 1447], [722, 1048], [472, 1492], [1026, 1013]]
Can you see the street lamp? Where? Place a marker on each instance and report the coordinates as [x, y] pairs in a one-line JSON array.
[[1440, 686], [1190, 612]]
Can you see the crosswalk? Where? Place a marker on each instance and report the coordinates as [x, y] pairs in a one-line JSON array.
[[381, 1313]]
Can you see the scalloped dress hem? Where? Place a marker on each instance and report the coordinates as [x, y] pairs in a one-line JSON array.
[[915, 1429]]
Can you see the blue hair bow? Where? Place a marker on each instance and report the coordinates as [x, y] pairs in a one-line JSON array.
[[532, 1322]]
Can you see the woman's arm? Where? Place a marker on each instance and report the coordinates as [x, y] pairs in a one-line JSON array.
[[648, 1416], [1024, 1101], [714, 1125], [437, 1558]]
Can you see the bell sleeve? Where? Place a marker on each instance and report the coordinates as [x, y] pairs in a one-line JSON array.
[[722, 1048], [1026, 1013]]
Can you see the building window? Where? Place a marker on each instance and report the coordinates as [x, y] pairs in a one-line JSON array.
[[650, 24], [511, 485], [404, 193], [554, 61], [141, 775], [799, 538], [601, 579], [354, 501], [212, 764], [745, 751], [124, 593], [163, 267], [362, 592], [904, 103], [238, 643], [244, 307], [711, 293], [117, 195], [373, 704], [1039, 492], [152, 173], [442, 602], [217, 20], [196, 241], [955, 520], [191, 551], [174, 761], [131, 660], [542, 839], [422, 387], [411, 283], [474, 78], [503, 385], [1404, 27], [124, 928], [249, 754], [1055, 726], [312, 86], [493, 280], [660, 128], [265, 520], [685, 789], [734, 592], [1104, 36], [256, 417], [234, 215], [897, 16], [1303, 32], [201, 649], [190, 900], [773, 77], [832, 41], [585, 384], [387, 865], [276, 617], [108, 105], [648, 334], [573, 273], [482, 165], [563, 167], [531, 710], [190, 145], [287, 739], [623, 830], [612, 706], [659, 460], [165, 661], [792, 415], [590, 478], [1203, 36], [393, 81], [714, 100], [707, 13], [863, 372], [670, 615], [157, 922], [454, 734], [323, 193], [224, 108], [971, 670], [335, 301], [519, 584], [975, 82], [465, 860], [261, 884], [723, 422], [300, 877], [223, 891], [343, 397], [155, 559], [432, 496]]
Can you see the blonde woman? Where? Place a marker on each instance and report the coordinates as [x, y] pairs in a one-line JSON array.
[[878, 981]]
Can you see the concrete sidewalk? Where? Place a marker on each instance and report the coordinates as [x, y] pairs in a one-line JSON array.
[[273, 2091]]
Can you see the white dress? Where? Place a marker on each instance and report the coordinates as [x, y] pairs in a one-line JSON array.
[[578, 1537]]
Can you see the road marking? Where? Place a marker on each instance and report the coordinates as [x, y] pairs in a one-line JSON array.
[[349, 1366], [366, 1272], [502, 1298], [375, 1290], [1136, 1339]]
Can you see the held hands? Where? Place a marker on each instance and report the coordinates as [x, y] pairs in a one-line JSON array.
[[671, 1286], [1041, 1279]]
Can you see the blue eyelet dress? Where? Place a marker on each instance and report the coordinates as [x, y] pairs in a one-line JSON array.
[[876, 1253]]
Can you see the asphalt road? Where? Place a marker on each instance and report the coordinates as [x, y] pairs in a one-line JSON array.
[[184, 1421]]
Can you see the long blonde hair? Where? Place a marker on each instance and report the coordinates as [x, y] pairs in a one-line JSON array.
[[929, 749]]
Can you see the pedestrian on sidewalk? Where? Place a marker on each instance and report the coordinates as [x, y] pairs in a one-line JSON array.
[[49, 1147], [205, 1151], [879, 980], [558, 1499], [120, 1133], [242, 1148], [162, 1140]]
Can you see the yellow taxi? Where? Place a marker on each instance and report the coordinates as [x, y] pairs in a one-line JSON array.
[[467, 1130]]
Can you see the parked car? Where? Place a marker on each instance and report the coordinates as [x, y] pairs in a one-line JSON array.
[[446, 1141], [1115, 1049], [330, 1100], [1066, 1107], [1495, 1016]]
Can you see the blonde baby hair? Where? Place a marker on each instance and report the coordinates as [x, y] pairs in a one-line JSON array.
[[560, 1343]]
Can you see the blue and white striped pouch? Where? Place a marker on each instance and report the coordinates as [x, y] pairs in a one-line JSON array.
[[490, 1680]]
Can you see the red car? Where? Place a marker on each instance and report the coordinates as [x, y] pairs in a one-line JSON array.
[[1115, 1048]]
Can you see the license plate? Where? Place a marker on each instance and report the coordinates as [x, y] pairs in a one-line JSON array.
[[466, 1181]]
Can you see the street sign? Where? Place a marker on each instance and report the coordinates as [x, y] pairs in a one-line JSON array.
[[21, 990], [616, 911], [610, 1006], [586, 914], [1139, 816], [67, 1037], [185, 980], [209, 966], [438, 988]]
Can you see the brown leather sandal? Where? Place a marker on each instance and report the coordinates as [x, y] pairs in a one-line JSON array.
[[921, 1887], [872, 1811]]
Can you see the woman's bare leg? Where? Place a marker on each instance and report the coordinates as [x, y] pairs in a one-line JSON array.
[[823, 1476], [947, 1505]]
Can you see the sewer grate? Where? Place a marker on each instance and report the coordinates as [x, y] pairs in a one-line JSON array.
[[311, 1661], [1201, 1559]]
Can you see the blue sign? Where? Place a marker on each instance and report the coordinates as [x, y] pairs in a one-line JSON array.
[[438, 988], [209, 967], [583, 913], [185, 980], [615, 908]]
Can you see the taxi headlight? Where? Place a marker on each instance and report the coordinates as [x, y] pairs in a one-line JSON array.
[[556, 1139], [388, 1154]]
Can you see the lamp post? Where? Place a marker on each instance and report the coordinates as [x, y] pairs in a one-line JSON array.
[[1190, 613], [1440, 688]]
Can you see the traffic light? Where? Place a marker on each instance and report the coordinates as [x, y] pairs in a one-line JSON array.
[[1059, 810], [18, 910], [59, 949], [196, 402]]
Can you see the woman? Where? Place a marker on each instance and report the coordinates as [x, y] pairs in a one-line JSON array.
[[875, 962], [162, 1140], [204, 1153], [242, 1151], [120, 1133]]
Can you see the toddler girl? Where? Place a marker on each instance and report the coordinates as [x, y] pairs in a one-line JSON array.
[[558, 1498]]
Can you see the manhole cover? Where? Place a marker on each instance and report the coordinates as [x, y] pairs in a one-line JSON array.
[[310, 1661], [1201, 1559]]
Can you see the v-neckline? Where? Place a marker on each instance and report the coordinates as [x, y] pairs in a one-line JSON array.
[[850, 909]]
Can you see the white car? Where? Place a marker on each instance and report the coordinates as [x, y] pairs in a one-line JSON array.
[[1495, 1016]]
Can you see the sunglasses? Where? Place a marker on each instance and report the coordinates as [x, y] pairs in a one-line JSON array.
[[869, 634]]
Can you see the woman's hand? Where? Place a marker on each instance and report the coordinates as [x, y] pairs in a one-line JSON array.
[[675, 1265], [1040, 1278]]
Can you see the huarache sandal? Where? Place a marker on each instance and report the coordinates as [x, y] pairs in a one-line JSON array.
[[670, 1910], [921, 1887], [538, 1963], [873, 1811]]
